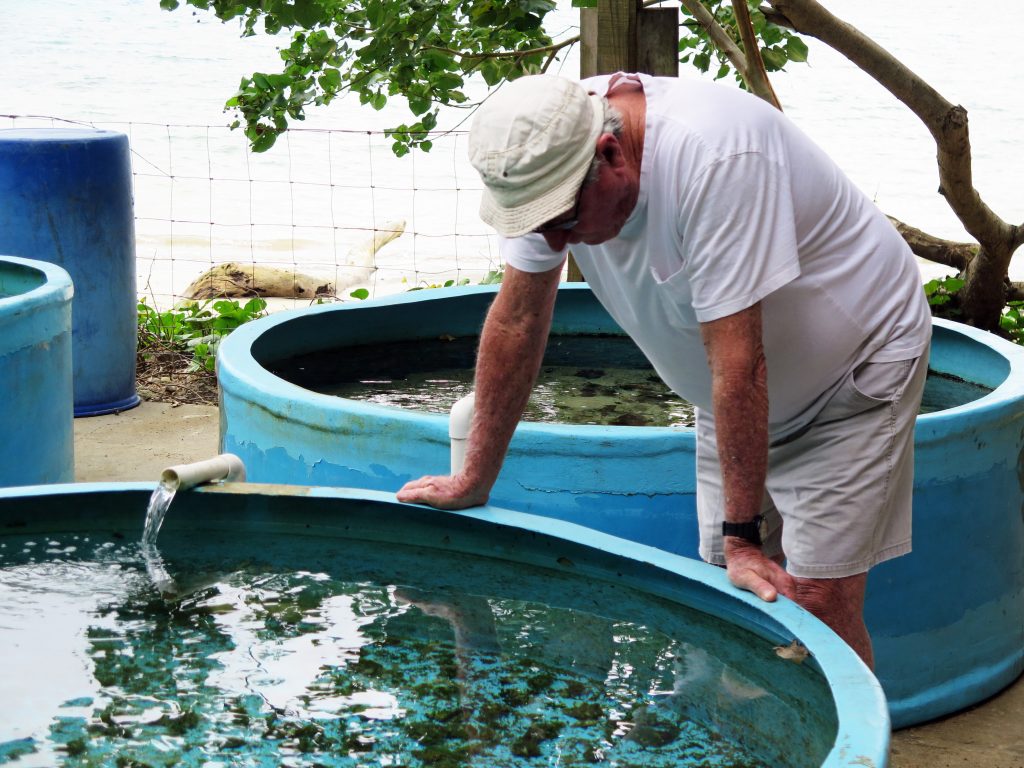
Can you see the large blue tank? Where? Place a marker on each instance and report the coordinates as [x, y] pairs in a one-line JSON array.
[[66, 198], [182, 652], [947, 620], [37, 442]]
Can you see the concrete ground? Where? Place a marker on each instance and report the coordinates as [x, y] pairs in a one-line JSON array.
[[138, 444]]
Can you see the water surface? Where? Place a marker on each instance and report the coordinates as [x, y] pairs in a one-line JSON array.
[[596, 379], [305, 651]]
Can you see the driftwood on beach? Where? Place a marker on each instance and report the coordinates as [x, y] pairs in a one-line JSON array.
[[239, 280]]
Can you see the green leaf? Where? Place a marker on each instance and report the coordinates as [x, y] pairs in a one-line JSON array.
[[375, 12], [308, 13], [418, 106], [774, 59], [358, 293], [490, 72], [446, 81], [330, 80], [263, 142], [796, 49], [254, 306]]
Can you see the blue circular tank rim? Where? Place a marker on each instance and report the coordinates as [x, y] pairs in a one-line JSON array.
[[236, 359], [1005, 377], [56, 283], [863, 732]]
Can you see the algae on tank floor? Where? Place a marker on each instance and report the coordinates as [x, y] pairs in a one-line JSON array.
[[599, 379]]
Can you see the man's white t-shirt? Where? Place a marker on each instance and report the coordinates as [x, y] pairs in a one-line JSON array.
[[738, 206]]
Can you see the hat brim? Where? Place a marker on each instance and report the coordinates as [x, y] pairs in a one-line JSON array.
[[515, 221]]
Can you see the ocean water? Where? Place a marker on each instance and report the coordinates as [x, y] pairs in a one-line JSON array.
[[314, 200]]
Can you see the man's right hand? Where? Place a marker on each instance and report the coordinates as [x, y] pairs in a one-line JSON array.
[[442, 492]]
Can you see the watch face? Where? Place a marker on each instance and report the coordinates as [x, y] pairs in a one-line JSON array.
[[762, 527]]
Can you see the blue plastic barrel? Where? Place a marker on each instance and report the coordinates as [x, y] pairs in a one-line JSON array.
[[37, 441], [66, 198]]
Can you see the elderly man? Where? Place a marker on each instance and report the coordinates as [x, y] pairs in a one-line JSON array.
[[762, 285]]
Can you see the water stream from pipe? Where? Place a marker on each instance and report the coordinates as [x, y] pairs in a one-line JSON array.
[[159, 503]]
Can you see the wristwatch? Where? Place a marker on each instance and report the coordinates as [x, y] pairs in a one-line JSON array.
[[752, 531]]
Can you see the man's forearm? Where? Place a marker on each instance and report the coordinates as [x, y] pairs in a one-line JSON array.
[[739, 390], [741, 426], [511, 349]]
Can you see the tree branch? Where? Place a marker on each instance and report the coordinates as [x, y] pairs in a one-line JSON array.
[[553, 48], [946, 122], [776, 18], [952, 254], [719, 36], [756, 75]]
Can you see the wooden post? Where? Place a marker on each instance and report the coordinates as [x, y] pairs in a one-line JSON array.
[[608, 37], [623, 36]]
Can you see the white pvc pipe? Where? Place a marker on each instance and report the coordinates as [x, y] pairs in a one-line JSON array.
[[226, 467], [458, 430]]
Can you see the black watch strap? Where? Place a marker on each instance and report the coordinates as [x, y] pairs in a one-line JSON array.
[[747, 531]]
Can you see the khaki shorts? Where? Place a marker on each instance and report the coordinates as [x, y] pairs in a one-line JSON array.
[[838, 493]]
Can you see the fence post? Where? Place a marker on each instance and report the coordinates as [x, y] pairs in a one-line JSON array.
[[623, 36]]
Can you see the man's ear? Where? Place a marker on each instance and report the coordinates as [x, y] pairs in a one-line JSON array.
[[609, 149]]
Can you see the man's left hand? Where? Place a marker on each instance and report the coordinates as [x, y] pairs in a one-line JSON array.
[[750, 569]]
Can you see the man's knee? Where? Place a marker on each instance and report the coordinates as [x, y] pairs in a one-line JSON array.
[[833, 600], [839, 603]]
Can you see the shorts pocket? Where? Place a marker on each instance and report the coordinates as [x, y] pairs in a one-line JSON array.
[[882, 382], [867, 386]]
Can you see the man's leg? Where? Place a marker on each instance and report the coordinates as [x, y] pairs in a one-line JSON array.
[[839, 603], [844, 488]]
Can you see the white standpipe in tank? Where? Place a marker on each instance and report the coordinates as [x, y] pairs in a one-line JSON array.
[[458, 430]]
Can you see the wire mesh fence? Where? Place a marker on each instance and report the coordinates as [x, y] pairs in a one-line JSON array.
[[331, 211]]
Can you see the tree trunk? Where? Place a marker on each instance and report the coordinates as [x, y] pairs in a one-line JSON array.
[[984, 293], [985, 274]]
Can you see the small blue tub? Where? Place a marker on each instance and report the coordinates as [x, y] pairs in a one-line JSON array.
[[36, 419]]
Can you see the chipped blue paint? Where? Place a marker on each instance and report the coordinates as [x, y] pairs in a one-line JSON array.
[[947, 620]]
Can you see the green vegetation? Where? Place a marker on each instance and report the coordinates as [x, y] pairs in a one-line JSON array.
[[177, 347], [944, 299], [425, 51], [194, 328]]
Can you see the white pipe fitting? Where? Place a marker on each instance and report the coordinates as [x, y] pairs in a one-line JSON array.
[[458, 430], [226, 466]]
